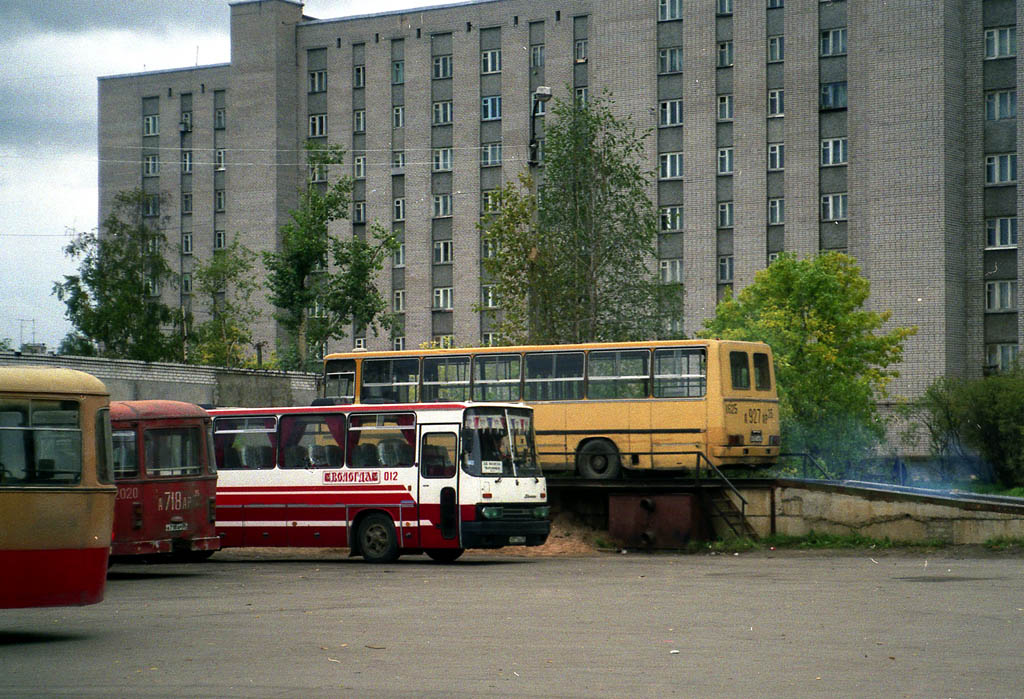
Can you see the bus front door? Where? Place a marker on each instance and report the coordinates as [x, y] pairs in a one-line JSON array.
[[439, 494]]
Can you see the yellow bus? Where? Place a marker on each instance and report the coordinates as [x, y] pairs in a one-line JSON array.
[[599, 407]]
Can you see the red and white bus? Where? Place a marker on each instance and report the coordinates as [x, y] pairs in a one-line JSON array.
[[166, 480], [383, 480]]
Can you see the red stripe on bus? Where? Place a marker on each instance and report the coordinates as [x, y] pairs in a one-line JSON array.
[[53, 577]]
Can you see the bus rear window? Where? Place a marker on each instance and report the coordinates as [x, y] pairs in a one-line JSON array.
[[40, 442], [739, 367], [554, 376], [762, 372], [173, 452], [390, 380]]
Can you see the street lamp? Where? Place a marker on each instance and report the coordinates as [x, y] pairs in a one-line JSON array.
[[540, 96]]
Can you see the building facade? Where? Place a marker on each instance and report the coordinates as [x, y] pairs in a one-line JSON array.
[[882, 128]]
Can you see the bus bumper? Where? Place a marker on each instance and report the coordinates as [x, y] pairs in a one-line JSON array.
[[485, 534], [745, 453]]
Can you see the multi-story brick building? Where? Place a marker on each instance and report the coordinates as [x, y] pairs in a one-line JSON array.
[[884, 128]]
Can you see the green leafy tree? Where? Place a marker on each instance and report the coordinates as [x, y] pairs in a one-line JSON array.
[[224, 287], [572, 264], [6, 344], [76, 345], [321, 284], [111, 301], [833, 360]]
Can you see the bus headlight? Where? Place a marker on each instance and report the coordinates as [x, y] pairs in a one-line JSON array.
[[491, 512], [542, 512]]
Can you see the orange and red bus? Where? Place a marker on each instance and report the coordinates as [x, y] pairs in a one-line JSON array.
[[382, 480], [600, 407], [166, 479], [56, 487]]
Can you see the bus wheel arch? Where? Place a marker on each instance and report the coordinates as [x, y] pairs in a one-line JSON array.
[[598, 458], [376, 537]]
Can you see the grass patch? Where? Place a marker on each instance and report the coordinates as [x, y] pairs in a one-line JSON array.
[[813, 541], [994, 489], [1004, 543]]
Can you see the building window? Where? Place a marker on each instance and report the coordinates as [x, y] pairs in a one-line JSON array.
[[539, 107], [671, 271], [1001, 296], [723, 7], [669, 10], [833, 95], [186, 202], [318, 172], [725, 107], [582, 94], [775, 4], [444, 341], [359, 167], [725, 269], [833, 151], [442, 160], [152, 287], [1001, 104], [490, 61], [579, 51], [220, 202], [725, 54], [776, 103], [219, 240], [358, 343], [318, 81], [487, 297], [1001, 169], [490, 108], [1001, 232], [442, 67], [776, 156], [359, 212], [398, 344], [1001, 357], [670, 113], [772, 257], [776, 49], [725, 214], [186, 243], [358, 76], [1001, 42], [220, 158], [398, 258], [833, 42], [671, 218], [670, 60], [442, 298], [725, 161], [151, 125], [833, 207], [151, 205], [398, 304], [397, 72], [776, 212], [488, 249], [220, 118], [359, 121], [317, 125], [442, 252], [442, 205], [150, 165], [670, 166], [442, 113], [186, 283], [490, 201], [398, 116], [490, 154], [537, 56], [186, 162], [398, 210]]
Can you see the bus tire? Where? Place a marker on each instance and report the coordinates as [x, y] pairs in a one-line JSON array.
[[598, 459], [445, 555], [377, 540]]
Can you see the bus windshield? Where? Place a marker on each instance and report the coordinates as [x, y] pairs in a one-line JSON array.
[[499, 442]]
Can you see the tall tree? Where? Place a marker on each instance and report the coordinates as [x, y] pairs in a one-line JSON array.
[[322, 284], [113, 301], [833, 359], [224, 287], [572, 263]]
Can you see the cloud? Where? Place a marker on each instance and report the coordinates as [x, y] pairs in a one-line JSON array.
[[22, 17]]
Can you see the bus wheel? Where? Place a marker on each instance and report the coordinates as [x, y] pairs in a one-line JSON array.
[[377, 539], [598, 459], [445, 555]]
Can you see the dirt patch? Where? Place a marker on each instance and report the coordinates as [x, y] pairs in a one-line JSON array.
[[569, 537]]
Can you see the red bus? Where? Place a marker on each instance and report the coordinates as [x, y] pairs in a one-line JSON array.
[[166, 480], [56, 487], [382, 480]]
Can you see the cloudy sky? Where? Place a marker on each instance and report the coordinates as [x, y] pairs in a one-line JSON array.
[[52, 52]]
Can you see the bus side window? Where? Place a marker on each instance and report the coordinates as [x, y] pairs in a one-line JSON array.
[[554, 376], [437, 456], [740, 369], [762, 372]]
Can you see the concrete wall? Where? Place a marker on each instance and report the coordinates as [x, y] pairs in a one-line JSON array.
[[132, 380]]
